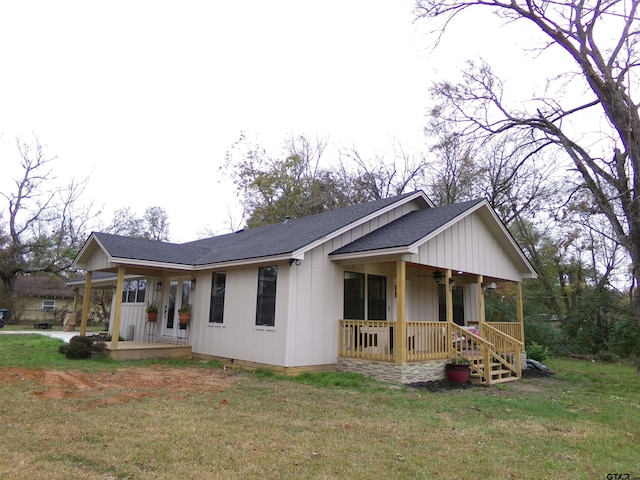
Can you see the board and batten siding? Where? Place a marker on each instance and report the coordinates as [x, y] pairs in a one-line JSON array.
[[470, 246], [239, 337]]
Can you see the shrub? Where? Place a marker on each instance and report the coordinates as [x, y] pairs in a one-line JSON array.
[[76, 350], [81, 339], [537, 352]]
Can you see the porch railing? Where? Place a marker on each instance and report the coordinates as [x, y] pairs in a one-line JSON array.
[[366, 339], [506, 349], [374, 340], [428, 341], [513, 329], [474, 348]]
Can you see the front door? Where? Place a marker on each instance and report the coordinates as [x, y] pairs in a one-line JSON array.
[[176, 294]]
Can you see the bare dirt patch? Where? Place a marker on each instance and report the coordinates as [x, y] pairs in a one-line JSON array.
[[121, 385]]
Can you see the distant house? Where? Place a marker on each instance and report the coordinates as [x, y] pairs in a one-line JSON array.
[[41, 299], [389, 288]]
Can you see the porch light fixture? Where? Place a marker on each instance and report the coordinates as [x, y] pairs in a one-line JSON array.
[[158, 286], [438, 276], [296, 261], [193, 284], [488, 287], [452, 284]]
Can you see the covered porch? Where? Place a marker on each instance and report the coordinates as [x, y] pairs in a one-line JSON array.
[[418, 348], [149, 340]]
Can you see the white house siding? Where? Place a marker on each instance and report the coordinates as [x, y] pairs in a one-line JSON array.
[[315, 310], [422, 298], [471, 247], [98, 260], [239, 337]]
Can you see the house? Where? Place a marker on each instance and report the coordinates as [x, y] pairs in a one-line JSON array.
[[41, 299], [388, 288]]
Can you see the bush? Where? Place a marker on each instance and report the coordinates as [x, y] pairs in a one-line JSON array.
[[76, 350], [80, 347], [537, 352], [82, 339]]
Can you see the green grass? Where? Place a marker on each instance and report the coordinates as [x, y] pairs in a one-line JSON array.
[[584, 422]]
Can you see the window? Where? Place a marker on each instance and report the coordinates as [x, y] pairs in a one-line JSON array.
[[134, 291], [355, 287], [266, 304], [376, 297], [218, 287], [48, 305], [353, 296]]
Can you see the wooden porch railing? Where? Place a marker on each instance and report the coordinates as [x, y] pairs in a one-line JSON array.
[[374, 340], [513, 329], [366, 339], [475, 349], [506, 349], [489, 352], [428, 341]]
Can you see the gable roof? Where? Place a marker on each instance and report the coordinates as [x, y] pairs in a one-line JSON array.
[[409, 229], [268, 241]]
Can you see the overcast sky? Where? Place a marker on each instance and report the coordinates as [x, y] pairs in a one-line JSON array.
[[145, 97]]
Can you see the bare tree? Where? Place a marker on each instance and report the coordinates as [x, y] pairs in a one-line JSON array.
[[44, 226], [600, 41], [152, 225], [373, 178]]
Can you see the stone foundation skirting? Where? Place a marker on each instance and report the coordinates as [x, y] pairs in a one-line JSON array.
[[392, 373]]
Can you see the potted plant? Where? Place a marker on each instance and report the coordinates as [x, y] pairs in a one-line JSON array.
[[152, 312], [97, 347], [184, 313], [458, 369]]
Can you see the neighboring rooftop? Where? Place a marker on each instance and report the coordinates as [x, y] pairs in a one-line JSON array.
[[42, 286]]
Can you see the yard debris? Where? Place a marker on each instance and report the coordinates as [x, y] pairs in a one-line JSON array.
[[531, 363]]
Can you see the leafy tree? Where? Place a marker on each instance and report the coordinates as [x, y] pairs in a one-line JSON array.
[[600, 43], [273, 189]]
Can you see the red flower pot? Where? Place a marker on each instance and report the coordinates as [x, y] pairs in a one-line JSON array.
[[457, 372]]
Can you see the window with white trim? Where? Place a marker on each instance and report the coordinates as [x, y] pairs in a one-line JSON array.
[[266, 304], [218, 287], [134, 291], [48, 305]]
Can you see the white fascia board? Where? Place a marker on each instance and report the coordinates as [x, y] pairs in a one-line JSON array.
[[336, 233], [104, 280], [147, 263], [92, 238], [397, 251], [250, 261]]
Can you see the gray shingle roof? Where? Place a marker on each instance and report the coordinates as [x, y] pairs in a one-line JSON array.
[[258, 242], [408, 229]]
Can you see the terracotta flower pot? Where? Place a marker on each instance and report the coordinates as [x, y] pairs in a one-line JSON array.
[[184, 317], [152, 316]]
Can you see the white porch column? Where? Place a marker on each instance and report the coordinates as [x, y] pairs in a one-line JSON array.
[[400, 335], [115, 331], [481, 311], [448, 296], [85, 303], [520, 309]]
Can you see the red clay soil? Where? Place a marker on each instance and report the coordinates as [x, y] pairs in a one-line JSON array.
[[122, 385]]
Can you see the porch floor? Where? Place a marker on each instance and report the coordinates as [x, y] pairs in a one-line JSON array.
[[144, 350]]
